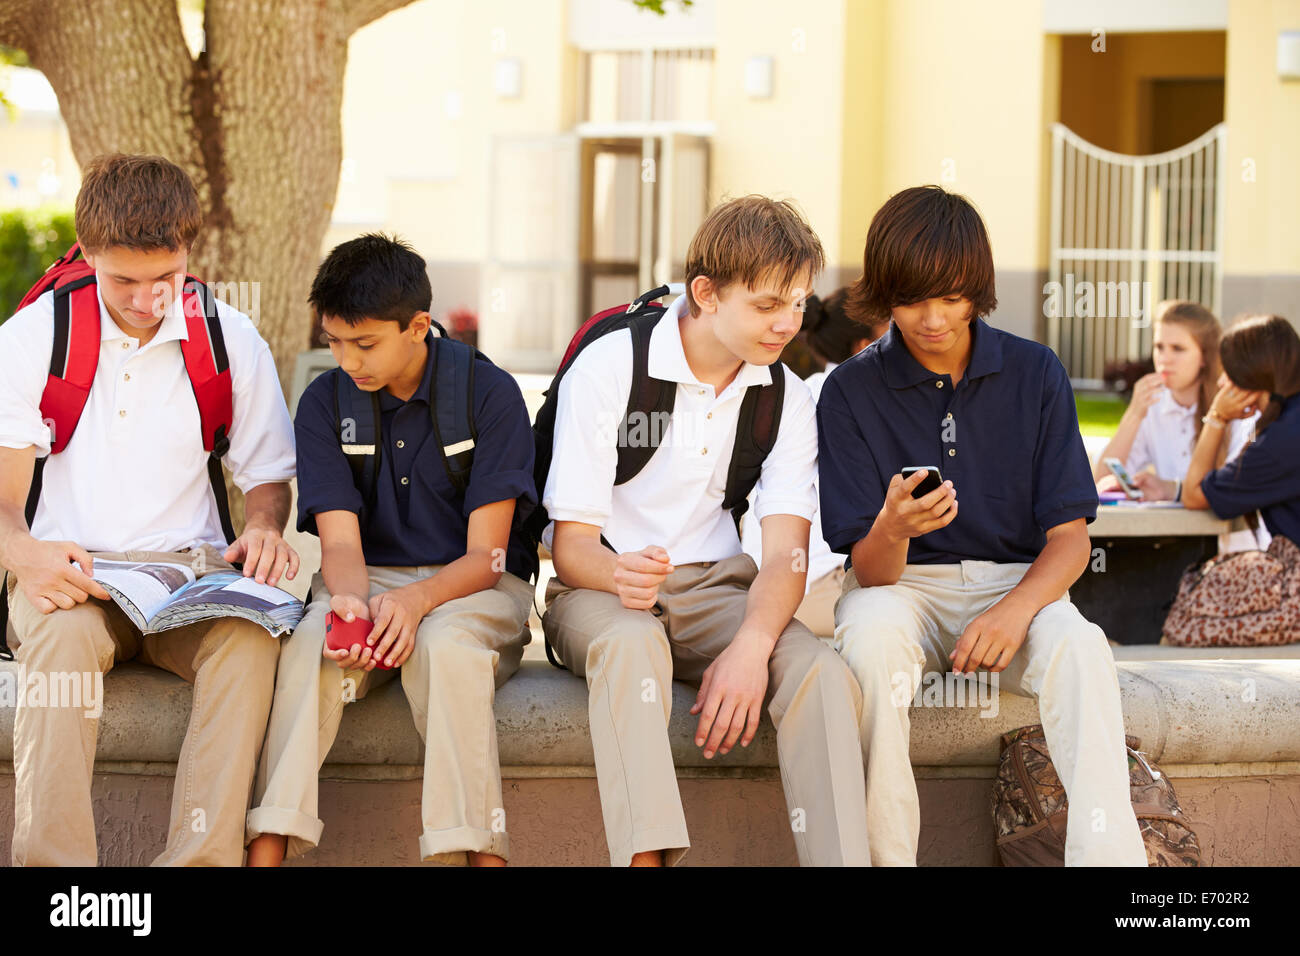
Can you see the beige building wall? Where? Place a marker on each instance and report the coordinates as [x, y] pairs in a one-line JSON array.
[[1262, 220], [789, 145], [420, 113]]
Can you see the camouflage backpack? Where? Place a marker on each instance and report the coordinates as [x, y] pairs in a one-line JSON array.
[[1030, 809], [1243, 599]]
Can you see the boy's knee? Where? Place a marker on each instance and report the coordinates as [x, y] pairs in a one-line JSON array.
[[72, 639], [633, 643]]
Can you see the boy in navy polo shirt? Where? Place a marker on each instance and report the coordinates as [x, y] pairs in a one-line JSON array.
[[983, 588], [440, 572]]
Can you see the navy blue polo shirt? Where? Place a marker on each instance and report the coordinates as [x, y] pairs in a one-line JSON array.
[[1265, 477], [1007, 437], [419, 518]]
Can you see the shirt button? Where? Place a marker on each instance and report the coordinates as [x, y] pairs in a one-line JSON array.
[[121, 413], [710, 415], [704, 451], [126, 376], [405, 480], [951, 452], [949, 415], [126, 345], [938, 384], [400, 443], [701, 391]]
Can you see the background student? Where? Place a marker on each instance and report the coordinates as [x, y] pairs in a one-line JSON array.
[[833, 338]]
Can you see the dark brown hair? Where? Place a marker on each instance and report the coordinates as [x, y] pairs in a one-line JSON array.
[[141, 202], [1204, 328], [1262, 353], [829, 331], [743, 240], [923, 243]]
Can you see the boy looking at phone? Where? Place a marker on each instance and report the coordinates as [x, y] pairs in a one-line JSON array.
[[438, 565], [980, 587]]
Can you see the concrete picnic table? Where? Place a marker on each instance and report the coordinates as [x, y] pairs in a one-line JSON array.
[[1139, 554]]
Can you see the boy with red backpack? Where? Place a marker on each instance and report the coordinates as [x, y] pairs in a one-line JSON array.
[[663, 423], [118, 402]]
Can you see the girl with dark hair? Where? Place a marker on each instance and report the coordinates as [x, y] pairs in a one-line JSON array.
[[1261, 372]]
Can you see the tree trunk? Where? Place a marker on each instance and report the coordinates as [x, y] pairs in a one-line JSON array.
[[254, 119]]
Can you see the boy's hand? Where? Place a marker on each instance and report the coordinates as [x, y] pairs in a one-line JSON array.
[[350, 608], [47, 576], [992, 639], [397, 614], [264, 554], [639, 574], [907, 517], [730, 699]]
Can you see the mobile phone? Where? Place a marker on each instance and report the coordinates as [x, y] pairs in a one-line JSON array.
[[932, 480], [341, 634], [1121, 475]]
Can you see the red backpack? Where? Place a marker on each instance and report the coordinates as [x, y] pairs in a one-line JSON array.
[[75, 356]]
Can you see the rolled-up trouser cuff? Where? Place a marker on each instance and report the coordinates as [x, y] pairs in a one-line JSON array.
[[303, 831], [452, 847]]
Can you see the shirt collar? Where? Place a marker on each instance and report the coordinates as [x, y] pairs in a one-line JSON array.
[[667, 359], [388, 401], [904, 371], [1165, 405], [172, 328]]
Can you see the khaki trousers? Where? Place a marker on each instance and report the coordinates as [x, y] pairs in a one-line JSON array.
[[230, 662], [889, 635], [630, 659], [817, 610], [464, 650]]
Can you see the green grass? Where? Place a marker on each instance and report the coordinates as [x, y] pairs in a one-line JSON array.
[[1099, 415]]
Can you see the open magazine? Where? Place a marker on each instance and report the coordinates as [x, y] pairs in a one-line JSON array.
[[158, 596]]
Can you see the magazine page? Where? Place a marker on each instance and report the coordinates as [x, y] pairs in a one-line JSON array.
[[141, 589], [230, 594]]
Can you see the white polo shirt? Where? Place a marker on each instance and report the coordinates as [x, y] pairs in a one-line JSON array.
[[676, 500], [134, 476], [821, 559], [1166, 439]]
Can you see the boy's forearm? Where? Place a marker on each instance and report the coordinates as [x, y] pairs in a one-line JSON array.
[[468, 574], [582, 561], [1057, 567], [343, 567], [13, 528], [774, 596], [266, 506], [879, 559]]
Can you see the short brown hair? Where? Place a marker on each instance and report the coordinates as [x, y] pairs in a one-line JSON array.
[[141, 202], [744, 239], [923, 243]]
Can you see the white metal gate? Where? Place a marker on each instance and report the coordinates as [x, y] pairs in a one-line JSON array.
[[1127, 232]]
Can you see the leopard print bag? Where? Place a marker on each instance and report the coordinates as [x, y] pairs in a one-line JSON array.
[[1244, 599]]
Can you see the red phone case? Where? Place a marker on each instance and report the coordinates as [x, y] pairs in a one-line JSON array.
[[340, 635]]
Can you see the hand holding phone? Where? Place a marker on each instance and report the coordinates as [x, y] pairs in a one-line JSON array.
[[1121, 474], [931, 481], [907, 516], [342, 634]]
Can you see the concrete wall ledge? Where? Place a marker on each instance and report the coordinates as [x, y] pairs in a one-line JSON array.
[[1239, 713]]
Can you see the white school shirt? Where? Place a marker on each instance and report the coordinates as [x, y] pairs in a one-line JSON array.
[[1166, 439], [676, 500], [134, 476], [821, 559]]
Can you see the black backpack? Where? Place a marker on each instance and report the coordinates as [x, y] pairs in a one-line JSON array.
[[648, 400]]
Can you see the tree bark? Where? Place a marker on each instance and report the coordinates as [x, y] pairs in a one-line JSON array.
[[254, 119]]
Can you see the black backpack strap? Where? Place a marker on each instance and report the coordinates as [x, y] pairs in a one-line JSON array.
[[649, 403], [357, 423], [756, 431], [451, 406], [7, 655]]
